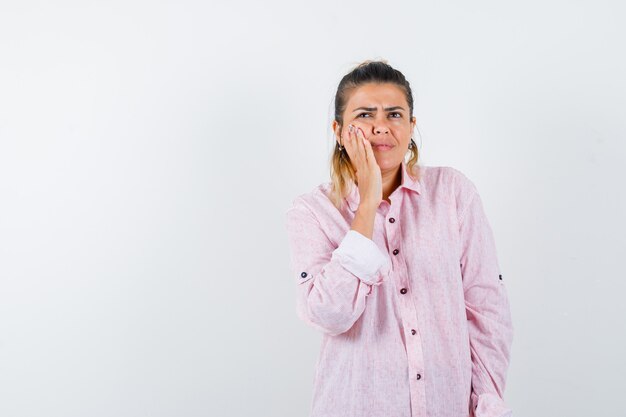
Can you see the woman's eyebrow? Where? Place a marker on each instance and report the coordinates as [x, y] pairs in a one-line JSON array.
[[374, 108]]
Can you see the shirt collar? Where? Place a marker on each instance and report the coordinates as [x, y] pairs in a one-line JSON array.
[[407, 182]]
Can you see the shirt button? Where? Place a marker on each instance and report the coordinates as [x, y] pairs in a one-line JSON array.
[[395, 251], [403, 290], [413, 331], [391, 220], [419, 376], [303, 275]]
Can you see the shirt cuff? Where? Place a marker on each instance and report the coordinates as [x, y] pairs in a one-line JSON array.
[[362, 257], [489, 405]]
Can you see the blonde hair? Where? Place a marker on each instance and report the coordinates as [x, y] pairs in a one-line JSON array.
[[342, 174]]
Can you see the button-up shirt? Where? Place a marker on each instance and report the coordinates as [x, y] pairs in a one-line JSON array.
[[415, 321]]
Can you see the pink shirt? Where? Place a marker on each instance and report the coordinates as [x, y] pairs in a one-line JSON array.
[[416, 321]]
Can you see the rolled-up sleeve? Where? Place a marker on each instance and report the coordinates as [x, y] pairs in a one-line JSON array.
[[487, 308], [333, 281]]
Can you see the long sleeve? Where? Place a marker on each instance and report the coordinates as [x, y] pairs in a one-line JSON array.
[[488, 311], [332, 282]]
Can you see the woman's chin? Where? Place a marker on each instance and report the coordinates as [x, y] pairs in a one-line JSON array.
[[386, 163]]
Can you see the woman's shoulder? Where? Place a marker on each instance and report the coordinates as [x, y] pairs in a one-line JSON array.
[[448, 184], [444, 176], [312, 200]]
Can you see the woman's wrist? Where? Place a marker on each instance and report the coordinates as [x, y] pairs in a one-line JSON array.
[[364, 219]]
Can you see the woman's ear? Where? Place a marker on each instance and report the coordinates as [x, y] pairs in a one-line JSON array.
[[337, 131]]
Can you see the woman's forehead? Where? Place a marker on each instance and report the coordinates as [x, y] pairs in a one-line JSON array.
[[370, 95]]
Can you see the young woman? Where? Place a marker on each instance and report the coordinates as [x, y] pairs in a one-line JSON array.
[[396, 264]]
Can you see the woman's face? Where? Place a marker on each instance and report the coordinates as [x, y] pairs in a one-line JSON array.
[[382, 113]]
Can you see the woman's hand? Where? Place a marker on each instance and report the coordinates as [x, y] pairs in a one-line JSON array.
[[369, 177]]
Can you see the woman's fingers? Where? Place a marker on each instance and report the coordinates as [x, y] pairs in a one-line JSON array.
[[359, 149], [352, 147], [371, 159], [360, 142]]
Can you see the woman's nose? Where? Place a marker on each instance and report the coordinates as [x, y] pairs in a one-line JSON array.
[[380, 128]]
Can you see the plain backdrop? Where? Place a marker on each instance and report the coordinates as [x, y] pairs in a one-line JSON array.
[[149, 151]]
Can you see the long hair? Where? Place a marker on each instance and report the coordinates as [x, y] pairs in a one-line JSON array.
[[342, 175]]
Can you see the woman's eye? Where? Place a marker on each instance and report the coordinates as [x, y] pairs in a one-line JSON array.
[[395, 112]]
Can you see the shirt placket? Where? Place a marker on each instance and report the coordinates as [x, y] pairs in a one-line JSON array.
[[415, 354]]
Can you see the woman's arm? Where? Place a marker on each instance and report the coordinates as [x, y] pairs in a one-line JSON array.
[[488, 311], [332, 282]]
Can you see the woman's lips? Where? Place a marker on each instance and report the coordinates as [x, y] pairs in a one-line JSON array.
[[382, 147]]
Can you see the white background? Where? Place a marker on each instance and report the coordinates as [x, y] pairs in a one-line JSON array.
[[149, 150]]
